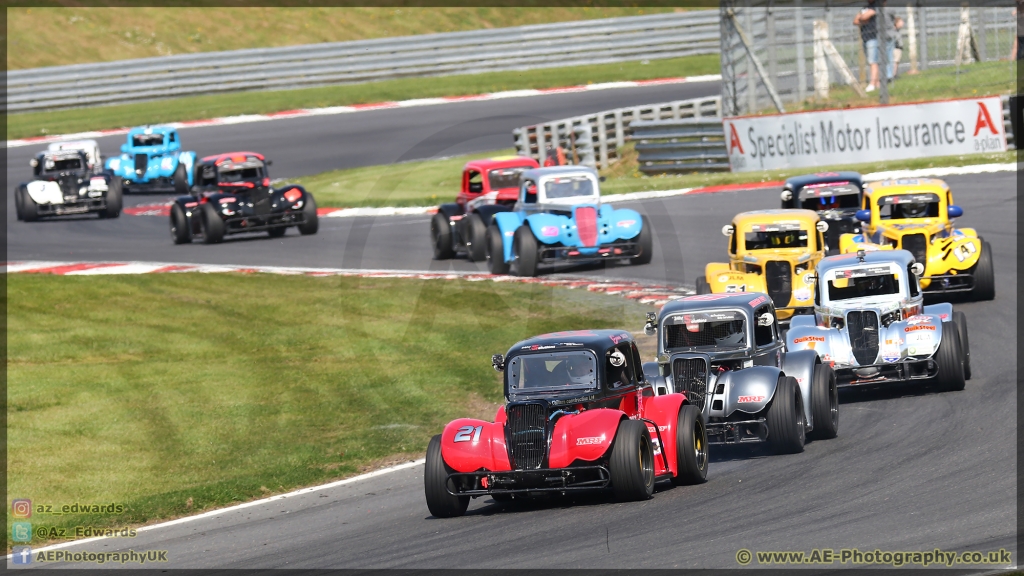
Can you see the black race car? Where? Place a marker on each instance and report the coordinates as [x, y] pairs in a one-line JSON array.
[[835, 196], [65, 182], [232, 194]]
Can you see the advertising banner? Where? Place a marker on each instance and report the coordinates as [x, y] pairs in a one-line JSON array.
[[855, 135]]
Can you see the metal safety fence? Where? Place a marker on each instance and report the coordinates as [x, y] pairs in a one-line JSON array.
[[635, 38]]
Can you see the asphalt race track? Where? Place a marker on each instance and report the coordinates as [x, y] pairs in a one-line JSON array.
[[912, 469]]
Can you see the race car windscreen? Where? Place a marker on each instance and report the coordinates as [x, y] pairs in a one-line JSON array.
[[63, 165], [786, 238], [569, 187], [505, 177], [552, 372], [148, 140], [902, 206], [725, 329], [241, 174], [862, 283], [832, 196]]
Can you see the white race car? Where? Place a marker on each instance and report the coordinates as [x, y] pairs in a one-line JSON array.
[[67, 180], [870, 323]]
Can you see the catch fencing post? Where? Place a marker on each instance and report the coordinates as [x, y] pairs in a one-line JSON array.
[[820, 65], [801, 67], [922, 14]]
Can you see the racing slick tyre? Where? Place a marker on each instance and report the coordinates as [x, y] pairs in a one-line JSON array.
[[984, 275], [213, 226], [950, 359], [28, 211], [310, 221], [785, 418], [702, 286], [960, 319], [691, 447], [525, 250], [646, 242], [441, 236], [824, 403], [114, 200], [180, 180], [18, 200], [277, 232], [632, 462], [435, 479], [495, 251], [476, 238], [181, 233]]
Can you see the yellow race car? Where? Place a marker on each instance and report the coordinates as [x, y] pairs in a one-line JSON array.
[[773, 252], [916, 214]]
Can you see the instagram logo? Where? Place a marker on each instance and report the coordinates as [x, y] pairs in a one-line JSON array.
[[21, 508]]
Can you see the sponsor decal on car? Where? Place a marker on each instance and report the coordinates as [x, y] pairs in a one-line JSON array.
[[732, 288], [549, 231], [803, 339], [802, 294], [749, 399], [759, 300], [589, 440], [918, 320], [919, 327], [625, 223]]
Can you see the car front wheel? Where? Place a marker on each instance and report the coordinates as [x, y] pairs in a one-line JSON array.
[[632, 462], [435, 484]]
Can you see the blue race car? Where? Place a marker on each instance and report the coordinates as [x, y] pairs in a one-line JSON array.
[[152, 161], [559, 218]]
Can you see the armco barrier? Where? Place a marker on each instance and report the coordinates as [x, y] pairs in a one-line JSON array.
[[694, 145], [586, 42], [609, 129]]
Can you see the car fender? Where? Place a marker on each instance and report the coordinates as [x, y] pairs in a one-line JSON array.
[[966, 232], [728, 281], [955, 253], [468, 444], [802, 320], [586, 436], [45, 192], [662, 384], [507, 223], [748, 390], [850, 243], [919, 335], [830, 344], [552, 228], [623, 223], [488, 211], [664, 412], [715, 268], [944, 310], [450, 209], [167, 164], [800, 364], [188, 159]]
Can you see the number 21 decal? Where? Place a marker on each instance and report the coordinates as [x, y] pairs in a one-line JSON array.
[[463, 435]]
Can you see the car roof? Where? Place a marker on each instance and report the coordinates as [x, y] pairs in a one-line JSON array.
[[231, 156], [901, 257], [906, 186], [599, 341], [796, 182], [500, 162], [538, 173], [748, 301], [808, 217], [151, 130]]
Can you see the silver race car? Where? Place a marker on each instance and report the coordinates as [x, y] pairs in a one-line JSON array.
[[870, 323]]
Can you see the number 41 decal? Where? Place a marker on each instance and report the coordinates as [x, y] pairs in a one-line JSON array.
[[463, 435]]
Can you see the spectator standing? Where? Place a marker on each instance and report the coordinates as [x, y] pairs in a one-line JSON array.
[[895, 34], [868, 25]]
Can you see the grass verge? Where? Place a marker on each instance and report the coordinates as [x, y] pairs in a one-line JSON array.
[[213, 106], [230, 387], [433, 182]]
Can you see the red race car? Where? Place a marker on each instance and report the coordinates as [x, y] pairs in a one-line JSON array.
[[488, 186], [579, 415]]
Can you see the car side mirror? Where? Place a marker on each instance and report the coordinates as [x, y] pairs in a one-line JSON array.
[[651, 326], [955, 211], [917, 268], [766, 319], [124, 148], [786, 195], [728, 230], [602, 178], [498, 362], [863, 215]]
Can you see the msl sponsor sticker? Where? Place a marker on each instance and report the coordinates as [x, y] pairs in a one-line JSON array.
[[950, 127]]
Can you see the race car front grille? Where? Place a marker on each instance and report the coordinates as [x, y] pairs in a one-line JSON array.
[[690, 376], [141, 164], [863, 330], [778, 275], [527, 439], [586, 225], [916, 245]]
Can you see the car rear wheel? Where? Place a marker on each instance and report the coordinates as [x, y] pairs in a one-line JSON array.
[[702, 286], [180, 180], [632, 462], [441, 236], [29, 210], [950, 359], [18, 200], [114, 200], [525, 247], [435, 484], [476, 238], [960, 319], [984, 274], [691, 447], [213, 226], [181, 233], [785, 418], [645, 241], [496, 251], [277, 232], [825, 403], [310, 220]]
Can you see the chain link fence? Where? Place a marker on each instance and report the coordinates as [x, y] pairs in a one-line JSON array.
[[781, 42]]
